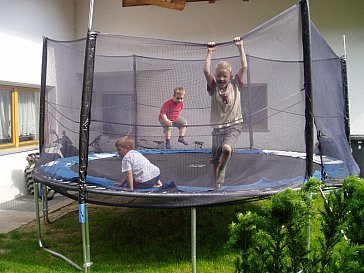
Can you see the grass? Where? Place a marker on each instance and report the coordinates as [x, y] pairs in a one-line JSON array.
[[128, 240]]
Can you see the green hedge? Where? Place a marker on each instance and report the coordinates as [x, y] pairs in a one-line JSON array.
[[303, 231]]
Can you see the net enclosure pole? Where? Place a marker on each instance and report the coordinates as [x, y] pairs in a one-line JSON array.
[[41, 131], [307, 70], [344, 73], [42, 97], [91, 14], [307, 67], [85, 120], [43, 84], [135, 99], [249, 117], [193, 239]]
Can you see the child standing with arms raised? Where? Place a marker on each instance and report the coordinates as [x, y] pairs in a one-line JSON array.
[[226, 116]]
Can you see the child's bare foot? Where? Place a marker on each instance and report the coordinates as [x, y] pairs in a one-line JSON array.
[[159, 184]]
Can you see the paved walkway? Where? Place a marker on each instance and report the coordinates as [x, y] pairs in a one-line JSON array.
[[21, 211]]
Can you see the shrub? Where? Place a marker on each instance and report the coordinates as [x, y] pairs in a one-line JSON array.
[[277, 239]]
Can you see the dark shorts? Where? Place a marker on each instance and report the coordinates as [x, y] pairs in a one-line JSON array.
[[145, 185], [180, 122], [220, 136]]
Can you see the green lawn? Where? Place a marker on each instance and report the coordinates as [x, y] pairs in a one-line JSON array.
[[127, 240]]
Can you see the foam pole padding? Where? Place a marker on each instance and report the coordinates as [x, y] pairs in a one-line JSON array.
[[307, 63], [85, 114], [43, 83], [346, 98]]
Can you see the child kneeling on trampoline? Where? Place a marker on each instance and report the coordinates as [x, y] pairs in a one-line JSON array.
[[140, 172], [226, 115]]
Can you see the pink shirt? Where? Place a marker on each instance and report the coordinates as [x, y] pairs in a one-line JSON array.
[[171, 109]]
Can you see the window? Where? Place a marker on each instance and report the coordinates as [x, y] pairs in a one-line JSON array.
[[19, 116]]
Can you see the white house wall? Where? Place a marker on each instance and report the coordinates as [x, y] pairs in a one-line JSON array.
[[23, 23], [12, 182]]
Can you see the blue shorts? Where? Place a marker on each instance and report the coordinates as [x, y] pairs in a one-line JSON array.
[[143, 185]]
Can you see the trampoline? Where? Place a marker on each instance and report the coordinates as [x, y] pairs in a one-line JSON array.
[[192, 182], [294, 103]]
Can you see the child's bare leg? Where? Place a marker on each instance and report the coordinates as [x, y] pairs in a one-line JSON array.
[[167, 133], [215, 167], [167, 136], [220, 169], [226, 154], [182, 132]]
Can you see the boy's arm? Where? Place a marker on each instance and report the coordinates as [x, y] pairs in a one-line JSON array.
[[166, 120], [129, 178], [244, 64], [163, 115], [122, 181], [207, 68]]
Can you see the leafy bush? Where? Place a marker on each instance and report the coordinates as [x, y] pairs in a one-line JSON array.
[[278, 239]]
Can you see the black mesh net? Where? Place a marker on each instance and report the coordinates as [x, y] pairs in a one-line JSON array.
[[134, 76]]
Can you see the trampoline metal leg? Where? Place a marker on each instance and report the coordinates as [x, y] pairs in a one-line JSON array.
[[308, 227], [39, 236], [37, 213], [44, 203], [193, 239], [83, 214]]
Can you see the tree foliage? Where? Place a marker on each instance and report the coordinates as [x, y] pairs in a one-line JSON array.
[[279, 238]]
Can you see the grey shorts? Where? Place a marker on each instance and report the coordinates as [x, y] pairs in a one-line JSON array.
[[220, 136], [180, 122]]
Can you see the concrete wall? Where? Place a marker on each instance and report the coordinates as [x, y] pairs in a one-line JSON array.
[[12, 183]]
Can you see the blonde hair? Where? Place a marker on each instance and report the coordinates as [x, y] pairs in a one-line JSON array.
[[179, 90], [125, 141], [224, 66]]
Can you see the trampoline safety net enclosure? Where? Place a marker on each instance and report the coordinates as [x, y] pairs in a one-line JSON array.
[[117, 84]]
